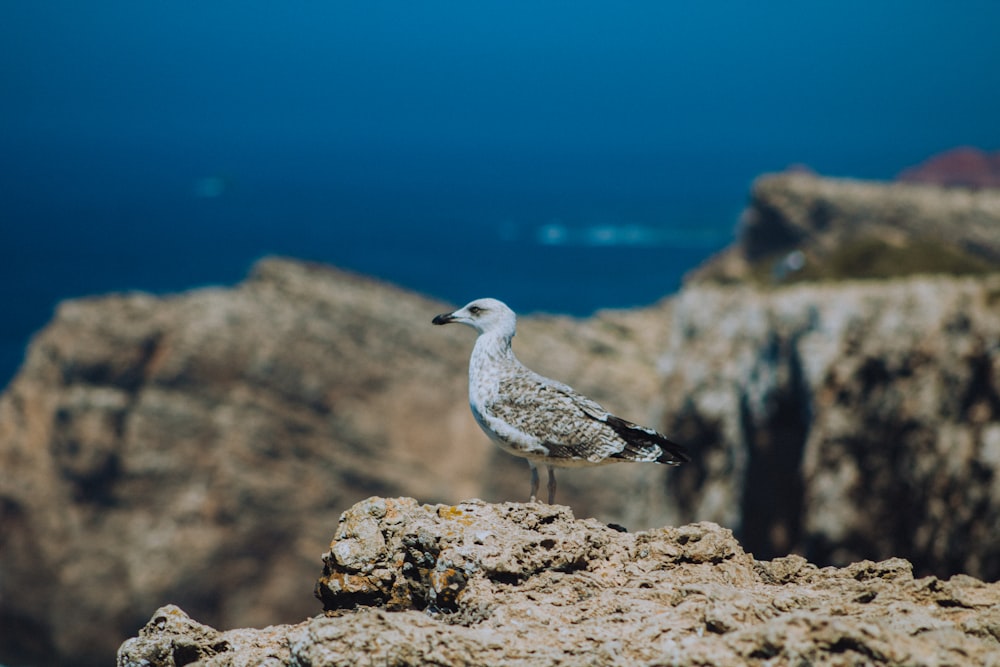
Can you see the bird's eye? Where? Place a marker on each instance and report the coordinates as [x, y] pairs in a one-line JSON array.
[[475, 310]]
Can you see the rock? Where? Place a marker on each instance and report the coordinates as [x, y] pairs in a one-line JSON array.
[[799, 226], [843, 421], [194, 448], [212, 434], [959, 167], [173, 638], [215, 433], [538, 587]]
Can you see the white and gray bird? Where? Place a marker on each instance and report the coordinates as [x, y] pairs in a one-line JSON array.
[[539, 419]]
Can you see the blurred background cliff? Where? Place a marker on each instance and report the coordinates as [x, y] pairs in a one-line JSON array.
[[772, 234]]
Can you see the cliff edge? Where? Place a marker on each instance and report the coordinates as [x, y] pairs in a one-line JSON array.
[[799, 226], [528, 584]]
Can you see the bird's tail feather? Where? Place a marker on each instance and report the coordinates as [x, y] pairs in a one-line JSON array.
[[643, 444]]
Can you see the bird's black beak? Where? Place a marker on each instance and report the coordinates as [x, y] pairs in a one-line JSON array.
[[443, 318]]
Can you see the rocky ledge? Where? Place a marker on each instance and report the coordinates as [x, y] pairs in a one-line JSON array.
[[195, 448], [528, 584], [798, 226]]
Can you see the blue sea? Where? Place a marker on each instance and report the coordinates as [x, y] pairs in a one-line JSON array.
[[152, 220], [563, 157]]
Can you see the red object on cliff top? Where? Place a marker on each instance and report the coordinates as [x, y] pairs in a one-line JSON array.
[[963, 167]]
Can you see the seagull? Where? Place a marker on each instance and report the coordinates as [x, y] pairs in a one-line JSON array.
[[542, 420]]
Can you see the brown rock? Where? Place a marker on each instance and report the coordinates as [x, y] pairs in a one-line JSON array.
[[174, 447], [216, 433], [194, 448], [539, 587], [799, 226], [843, 421]]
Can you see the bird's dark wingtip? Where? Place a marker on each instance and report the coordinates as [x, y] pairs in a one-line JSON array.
[[643, 438], [673, 454]]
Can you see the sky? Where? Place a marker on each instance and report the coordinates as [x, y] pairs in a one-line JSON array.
[[165, 145]]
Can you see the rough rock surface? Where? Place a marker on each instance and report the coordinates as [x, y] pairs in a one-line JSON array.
[[801, 226], [184, 446], [843, 421], [516, 584], [214, 433]]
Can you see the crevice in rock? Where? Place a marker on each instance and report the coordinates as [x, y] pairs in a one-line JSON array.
[[185, 654], [700, 436], [24, 641], [97, 488], [574, 565], [773, 488], [769, 232], [980, 389], [506, 578]]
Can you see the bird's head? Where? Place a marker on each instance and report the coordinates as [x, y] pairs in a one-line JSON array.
[[483, 315]]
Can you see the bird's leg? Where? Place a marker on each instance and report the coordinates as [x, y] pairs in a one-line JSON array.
[[552, 485], [534, 481]]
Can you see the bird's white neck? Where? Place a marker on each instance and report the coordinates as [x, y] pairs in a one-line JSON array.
[[491, 360], [491, 348]]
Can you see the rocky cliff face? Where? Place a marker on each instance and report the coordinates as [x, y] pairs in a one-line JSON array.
[[196, 448], [515, 584], [843, 421], [178, 446], [798, 226], [182, 447]]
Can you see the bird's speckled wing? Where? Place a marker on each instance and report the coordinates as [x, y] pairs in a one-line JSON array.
[[568, 424]]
